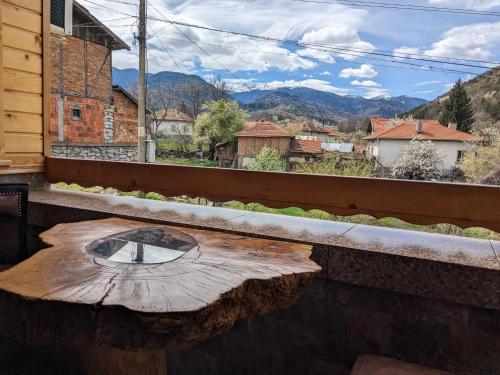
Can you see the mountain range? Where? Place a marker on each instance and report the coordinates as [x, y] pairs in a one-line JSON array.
[[299, 102]]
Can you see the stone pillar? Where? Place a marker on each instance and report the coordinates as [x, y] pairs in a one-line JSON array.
[[109, 123], [60, 118]]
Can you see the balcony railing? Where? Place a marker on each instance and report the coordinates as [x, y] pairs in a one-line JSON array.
[[416, 202]]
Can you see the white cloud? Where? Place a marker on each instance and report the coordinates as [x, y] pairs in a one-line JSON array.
[[364, 71], [343, 37], [280, 19], [316, 54], [425, 83], [374, 92], [366, 83], [317, 84], [475, 41], [468, 4], [424, 92], [404, 51], [325, 73]]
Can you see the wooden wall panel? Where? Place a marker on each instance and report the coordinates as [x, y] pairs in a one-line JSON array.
[[22, 91]]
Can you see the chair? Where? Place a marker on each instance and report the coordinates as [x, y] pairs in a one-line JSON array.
[[13, 224]]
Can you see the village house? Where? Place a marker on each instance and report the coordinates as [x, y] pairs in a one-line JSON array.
[[90, 118], [266, 134], [174, 123], [311, 129], [387, 141]]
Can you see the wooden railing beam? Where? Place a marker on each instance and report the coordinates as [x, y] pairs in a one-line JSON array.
[[417, 202]]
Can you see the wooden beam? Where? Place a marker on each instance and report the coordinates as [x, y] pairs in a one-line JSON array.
[[416, 202], [3, 162], [46, 85]]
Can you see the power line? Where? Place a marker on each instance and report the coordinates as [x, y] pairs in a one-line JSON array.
[[201, 49], [376, 4], [316, 45], [326, 48]]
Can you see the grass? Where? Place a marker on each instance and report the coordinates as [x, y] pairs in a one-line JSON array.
[[389, 222], [187, 161]]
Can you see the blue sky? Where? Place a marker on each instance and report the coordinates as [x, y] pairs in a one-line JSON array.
[[248, 63]]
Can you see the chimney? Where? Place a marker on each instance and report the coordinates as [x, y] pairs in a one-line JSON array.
[[452, 125], [420, 126]]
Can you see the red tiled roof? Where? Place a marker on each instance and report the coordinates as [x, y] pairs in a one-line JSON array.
[[173, 114], [310, 127], [305, 146], [264, 130], [335, 134], [379, 124], [431, 130]]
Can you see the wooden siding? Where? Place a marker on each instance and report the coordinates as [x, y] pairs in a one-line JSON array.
[[249, 146], [22, 70]]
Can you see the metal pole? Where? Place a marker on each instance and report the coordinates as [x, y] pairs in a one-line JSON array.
[[141, 121]]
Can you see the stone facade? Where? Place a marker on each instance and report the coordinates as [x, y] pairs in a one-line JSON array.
[[96, 151], [109, 123]]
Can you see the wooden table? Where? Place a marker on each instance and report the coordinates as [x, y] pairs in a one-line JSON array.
[[121, 292]]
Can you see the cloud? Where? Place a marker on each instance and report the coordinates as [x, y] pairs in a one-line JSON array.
[[342, 37], [425, 83], [425, 92], [364, 71], [475, 41], [316, 84], [366, 83], [325, 73], [374, 92], [404, 51], [316, 54], [279, 19], [468, 4]]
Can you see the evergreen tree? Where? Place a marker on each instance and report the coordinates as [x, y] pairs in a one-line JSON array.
[[458, 108]]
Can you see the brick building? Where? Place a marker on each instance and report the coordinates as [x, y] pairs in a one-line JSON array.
[[89, 118]]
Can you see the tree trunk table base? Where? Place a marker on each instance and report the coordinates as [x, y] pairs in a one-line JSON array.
[[144, 287]]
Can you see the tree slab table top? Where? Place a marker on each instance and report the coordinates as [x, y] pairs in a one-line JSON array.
[[142, 286]]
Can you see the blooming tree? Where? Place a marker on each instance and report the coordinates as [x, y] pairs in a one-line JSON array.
[[419, 161], [268, 159]]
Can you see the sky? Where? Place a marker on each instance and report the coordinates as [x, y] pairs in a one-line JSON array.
[[344, 49]]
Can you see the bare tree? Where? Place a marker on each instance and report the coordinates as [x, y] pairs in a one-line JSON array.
[[158, 100], [222, 88], [193, 98]]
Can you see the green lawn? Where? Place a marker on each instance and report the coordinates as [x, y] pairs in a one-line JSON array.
[[186, 161]]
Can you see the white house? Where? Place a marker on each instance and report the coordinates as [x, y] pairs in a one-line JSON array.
[[174, 123], [387, 140]]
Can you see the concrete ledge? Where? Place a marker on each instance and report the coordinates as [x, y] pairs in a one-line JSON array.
[[450, 268]]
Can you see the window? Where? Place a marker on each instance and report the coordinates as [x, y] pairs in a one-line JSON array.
[[460, 155], [61, 15], [76, 114]]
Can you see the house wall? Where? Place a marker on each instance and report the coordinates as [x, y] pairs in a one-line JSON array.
[[21, 86], [175, 128], [388, 151], [89, 129], [249, 146], [125, 119], [80, 68]]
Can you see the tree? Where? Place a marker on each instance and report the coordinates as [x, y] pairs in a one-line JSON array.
[[458, 108], [221, 90], [336, 165], [194, 97], [158, 100], [268, 159], [219, 123], [419, 161], [492, 108], [483, 163]]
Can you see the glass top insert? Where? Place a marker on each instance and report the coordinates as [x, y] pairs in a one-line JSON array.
[[143, 246]]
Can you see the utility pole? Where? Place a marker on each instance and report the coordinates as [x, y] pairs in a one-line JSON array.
[[141, 100]]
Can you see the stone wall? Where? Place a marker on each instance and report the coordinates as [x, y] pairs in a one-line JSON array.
[[115, 152]]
